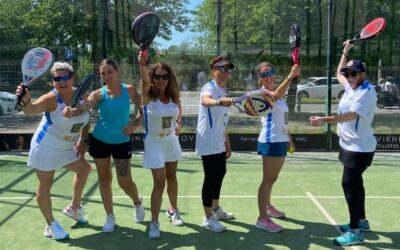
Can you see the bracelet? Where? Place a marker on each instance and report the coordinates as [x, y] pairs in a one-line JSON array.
[[289, 79], [24, 104], [345, 55]]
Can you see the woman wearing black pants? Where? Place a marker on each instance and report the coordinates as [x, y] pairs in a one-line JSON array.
[[212, 142], [357, 142]]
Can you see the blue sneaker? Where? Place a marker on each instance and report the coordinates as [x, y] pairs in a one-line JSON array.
[[364, 226], [349, 239]]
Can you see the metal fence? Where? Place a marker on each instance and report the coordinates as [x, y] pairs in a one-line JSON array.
[[387, 119]]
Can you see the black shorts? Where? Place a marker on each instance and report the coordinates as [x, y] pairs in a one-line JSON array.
[[99, 149], [352, 159]]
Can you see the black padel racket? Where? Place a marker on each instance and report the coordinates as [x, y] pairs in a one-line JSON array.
[[144, 29], [34, 65], [81, 90], [371, 30], [294, 42]]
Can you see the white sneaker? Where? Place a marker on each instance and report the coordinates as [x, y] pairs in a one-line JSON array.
[[139, 211], [55, 231], [154, 231], [76, 214], [213, 224], [175, 217], [109, 227], [220, 214]]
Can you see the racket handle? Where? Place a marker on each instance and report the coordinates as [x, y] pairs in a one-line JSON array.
[[21, 95]]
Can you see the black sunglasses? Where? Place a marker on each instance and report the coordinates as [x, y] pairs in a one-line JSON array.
[[222, 69], [159, 77], [352, 74], [59, 78]]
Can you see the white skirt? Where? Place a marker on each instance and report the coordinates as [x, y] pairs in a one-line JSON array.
[[158, 152], [48, 159]]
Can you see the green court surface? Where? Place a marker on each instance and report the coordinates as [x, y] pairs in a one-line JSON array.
[[308, 190]]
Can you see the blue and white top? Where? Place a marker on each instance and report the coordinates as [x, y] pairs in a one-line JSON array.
[[113, 117], [274, 125], [211, 122], [57, 132], [357, 135]]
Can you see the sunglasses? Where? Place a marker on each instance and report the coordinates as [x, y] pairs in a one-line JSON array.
[[159, 77], [63, 78], [267, 73], [352, 74], [223, 69]]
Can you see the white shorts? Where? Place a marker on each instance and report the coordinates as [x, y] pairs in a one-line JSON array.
[[48, 159], [158, 152]]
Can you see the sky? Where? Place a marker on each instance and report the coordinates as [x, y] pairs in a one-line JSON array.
[[179, 37]]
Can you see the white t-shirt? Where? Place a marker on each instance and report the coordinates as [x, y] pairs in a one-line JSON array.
[[275, 124], [211, 122], [357, 135]]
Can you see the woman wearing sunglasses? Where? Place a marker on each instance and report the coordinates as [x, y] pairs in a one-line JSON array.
[[274, 142], [212, 141], [356, 139], [58, 142], [163, 119]]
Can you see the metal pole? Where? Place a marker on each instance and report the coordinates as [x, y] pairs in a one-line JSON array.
[[329, 73], [219, 24], [105, 27]]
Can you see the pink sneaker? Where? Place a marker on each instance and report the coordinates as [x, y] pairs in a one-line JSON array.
[[273, 212], [268, 225]]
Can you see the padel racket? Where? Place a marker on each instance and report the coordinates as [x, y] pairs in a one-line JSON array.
[[254, 103], [81, 90], [144, 29], [294, 42], [34, 65], [371, 30]]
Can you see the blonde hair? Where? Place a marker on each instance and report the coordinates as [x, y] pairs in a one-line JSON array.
[[57, 66]]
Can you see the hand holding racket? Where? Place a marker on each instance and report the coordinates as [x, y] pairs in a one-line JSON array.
[[254, 103], [371, 30], [34, 65], [144, 29]]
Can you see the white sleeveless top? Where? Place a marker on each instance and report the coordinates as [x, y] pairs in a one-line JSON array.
[[160, 119], [275, 124], [54, 131]]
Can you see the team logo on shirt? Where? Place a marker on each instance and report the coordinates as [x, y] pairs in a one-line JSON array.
[[76, 127], [166, 122]]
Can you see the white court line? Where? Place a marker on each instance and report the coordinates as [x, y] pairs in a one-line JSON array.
[[198, 196], [326, 214]]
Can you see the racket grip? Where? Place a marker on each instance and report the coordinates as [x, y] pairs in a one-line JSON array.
[[21, 95]]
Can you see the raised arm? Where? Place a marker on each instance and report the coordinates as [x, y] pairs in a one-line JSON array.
[[144, 72], [280, 91], [343, 61]]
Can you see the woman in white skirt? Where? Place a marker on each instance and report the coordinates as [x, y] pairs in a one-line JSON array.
[[58, 142], [162, 115]]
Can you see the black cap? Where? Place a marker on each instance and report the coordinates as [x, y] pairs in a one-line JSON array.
[[354, 65]]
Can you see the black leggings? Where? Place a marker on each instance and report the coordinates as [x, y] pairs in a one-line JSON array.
[[214, 167], [355, 163]]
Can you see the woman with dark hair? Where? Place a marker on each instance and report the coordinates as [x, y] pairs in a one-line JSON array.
[[212, 141], [273, 143], [356, 139], [111, 138], [163, 119]]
